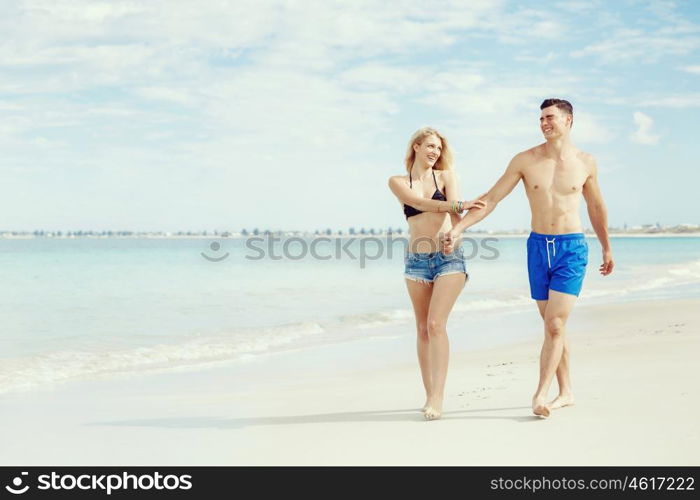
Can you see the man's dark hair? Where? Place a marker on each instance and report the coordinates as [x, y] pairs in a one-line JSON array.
[[561, 104]]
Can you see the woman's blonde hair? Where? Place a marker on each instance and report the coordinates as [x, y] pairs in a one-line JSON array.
[[443, 163]]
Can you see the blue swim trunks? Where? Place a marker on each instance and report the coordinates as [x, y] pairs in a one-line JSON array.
[[556, 262]]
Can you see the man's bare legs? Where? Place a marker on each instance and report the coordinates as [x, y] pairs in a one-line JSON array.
[[445, 292], [556, 313], [566, 395], [420, 294]]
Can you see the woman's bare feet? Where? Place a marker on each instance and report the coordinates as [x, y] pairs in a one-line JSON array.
[[432, 413], [539, 408], [561, 401], [433, 410]]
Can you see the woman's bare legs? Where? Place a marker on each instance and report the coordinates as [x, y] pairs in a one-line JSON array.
[[420, 293], [446, 289]]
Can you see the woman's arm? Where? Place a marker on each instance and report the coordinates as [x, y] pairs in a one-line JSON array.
[[408, 196], [452, 192]]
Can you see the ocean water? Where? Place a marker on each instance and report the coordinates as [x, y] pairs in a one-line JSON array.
[[79, 308]]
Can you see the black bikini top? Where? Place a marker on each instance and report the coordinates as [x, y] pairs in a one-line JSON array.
[[409, 211]]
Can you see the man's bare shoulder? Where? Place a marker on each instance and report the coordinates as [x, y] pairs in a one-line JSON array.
[[588, 160], [527, 157]]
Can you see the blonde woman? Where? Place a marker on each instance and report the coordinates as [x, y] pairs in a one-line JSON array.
[[431, 202]]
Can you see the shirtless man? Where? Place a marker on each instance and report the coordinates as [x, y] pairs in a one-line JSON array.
[[555, 175]]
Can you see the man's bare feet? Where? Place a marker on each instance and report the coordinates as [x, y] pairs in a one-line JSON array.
[[561, 401], [539, 408], [426, 405]]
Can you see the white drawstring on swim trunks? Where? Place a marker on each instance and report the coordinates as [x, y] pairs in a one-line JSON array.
[[554, 250]]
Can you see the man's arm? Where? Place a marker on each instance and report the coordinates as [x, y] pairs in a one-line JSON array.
[[500, 190], [598, 215]]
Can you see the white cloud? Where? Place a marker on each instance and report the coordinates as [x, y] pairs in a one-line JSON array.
[[467, 93], [674, 101], [691, 69], [643, 134], [542, 59], [288, 93], [588, 129], [168, 94], [226, 22], [402, 79], [578, 7], [658, 31], [525, 25], [636, 45]]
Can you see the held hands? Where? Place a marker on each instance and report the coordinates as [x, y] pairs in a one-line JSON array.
[[450, 241], [608, 264]]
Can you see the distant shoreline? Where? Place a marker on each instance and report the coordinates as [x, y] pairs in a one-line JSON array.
[[286, 234]]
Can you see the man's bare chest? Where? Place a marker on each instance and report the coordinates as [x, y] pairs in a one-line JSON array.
[[555, 177]]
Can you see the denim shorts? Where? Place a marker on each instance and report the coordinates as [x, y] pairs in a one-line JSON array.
[[426, 267]]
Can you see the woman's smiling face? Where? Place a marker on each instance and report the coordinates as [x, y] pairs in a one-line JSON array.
[[429, 151]]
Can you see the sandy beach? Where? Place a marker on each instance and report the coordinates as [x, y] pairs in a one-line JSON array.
[[635, 376]]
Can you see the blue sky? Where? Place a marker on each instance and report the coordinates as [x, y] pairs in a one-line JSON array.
[[292, 115]]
